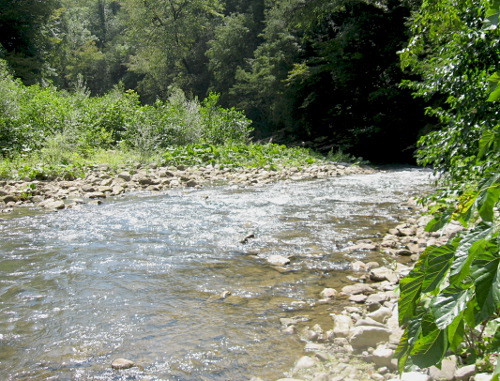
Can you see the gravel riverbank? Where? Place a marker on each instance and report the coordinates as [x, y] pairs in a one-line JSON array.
[[360, 342], [103, 182]]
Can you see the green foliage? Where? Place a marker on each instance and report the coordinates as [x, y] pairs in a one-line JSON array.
[[171, 40], [239, 155], [451, 299]]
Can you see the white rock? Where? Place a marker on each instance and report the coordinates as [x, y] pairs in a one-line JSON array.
[[305, 362], [447, 371], [341, 325], [368, 336], [412, 376], [465, 372], [381, 315], [122, 363], [369, 322], [328, 293], [358, 288], [278, 260], [383, 273], [483, 377], [382, 356]]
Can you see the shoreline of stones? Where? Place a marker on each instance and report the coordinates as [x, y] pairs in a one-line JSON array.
[[360, 343], [104, 182]]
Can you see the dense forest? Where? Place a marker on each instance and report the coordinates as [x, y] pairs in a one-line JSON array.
[[314, 71], [369, 77]]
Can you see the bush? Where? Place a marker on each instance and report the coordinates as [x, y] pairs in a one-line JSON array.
[[34, 118]]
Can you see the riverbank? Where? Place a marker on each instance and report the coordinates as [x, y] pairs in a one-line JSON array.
[[361, 341], [104, 182]]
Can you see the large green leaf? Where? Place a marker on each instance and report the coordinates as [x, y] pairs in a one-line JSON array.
[[469, 247], [449, 305], [431, 346], [487, 202], [456, 333], [410, 291], [410, 335], [438, 222], [485, 272], [438, 262]]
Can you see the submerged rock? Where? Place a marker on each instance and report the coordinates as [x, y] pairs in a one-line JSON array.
[[278, 260]]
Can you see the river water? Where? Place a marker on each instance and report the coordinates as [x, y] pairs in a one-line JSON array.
[[138, 277]]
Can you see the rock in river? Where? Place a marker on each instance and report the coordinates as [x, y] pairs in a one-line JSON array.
[[278, 260], [122, 363]]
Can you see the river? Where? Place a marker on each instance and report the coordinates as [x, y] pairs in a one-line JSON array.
[[139, 277]]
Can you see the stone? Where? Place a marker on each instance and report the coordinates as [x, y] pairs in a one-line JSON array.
[[358, 288], [145, 180], [321, 377], [305, 362], [465, 372], [447, 371], [372, 265], [358, 266], [328, 293], [362, 246], [381, 315], [191, 183], [368, 336], [53, 204], [383, 273], [9, 198], [414, 376], [359, 298], [369, 322], [125, 176], [122, 363], [404, 252], [483, 377], [88, 188], [247, 237], [378, 298], [341, 325], [382, 356], [278, 260], [95, 195]]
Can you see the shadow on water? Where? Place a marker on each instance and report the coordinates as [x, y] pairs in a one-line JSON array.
[[141, 277]]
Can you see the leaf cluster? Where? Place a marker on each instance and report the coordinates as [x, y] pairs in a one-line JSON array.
[[451, 299]]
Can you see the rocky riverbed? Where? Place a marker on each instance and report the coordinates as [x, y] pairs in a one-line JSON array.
[[360, 342], [103, 182]]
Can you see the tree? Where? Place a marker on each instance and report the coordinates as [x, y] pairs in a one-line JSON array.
[[171, 39], [233, 43], [87, 45], [452, 295], [330, 69], [22, 43]]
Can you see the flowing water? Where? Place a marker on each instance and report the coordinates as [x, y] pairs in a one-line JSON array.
[[139, 277]]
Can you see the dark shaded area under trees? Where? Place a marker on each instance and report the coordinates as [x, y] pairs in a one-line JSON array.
[[321, 72]]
